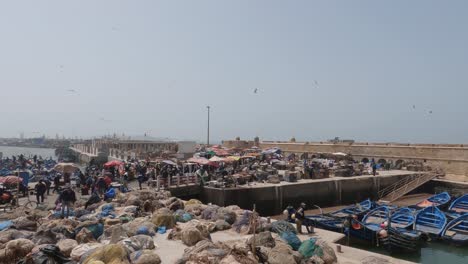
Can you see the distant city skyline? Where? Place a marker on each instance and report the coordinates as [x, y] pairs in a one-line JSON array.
[[377, 71]]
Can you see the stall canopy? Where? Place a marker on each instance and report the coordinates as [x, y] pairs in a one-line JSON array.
[[272, 151], [217, 159], [113, 163], [220, 152], [203, 161], [10, 180], [232, 158], [169, 162]]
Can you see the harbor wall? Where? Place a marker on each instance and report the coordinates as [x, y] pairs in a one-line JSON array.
[[273, 199], [452, 158], [441, 185]]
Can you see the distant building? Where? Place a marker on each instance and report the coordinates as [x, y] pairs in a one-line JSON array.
[[338, 140], [134, 148]]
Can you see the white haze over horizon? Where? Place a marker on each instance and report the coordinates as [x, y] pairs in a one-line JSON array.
[[352, 69]]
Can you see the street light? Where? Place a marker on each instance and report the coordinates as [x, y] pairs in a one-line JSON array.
[[208, 134]]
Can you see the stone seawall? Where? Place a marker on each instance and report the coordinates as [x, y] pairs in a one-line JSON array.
[[273, 199], [452, 158]]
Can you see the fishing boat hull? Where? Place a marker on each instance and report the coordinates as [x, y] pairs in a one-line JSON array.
[[402, 240], [456, 231], [326, 222], [365, 232]]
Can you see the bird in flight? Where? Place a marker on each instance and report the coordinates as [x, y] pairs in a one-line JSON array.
[[255, 91]]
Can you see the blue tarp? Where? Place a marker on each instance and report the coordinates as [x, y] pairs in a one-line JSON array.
[[110, 194], [162, 230], [5, 225], [107, 211]]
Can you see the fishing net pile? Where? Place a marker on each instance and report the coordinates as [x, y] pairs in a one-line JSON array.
[[123, 230]]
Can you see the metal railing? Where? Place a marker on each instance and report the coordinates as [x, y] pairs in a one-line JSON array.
[[404, 186]]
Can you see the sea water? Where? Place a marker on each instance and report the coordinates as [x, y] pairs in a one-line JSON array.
[[432, 252], [45, 153]]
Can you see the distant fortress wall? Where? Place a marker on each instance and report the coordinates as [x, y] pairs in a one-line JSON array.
[[453, 159]]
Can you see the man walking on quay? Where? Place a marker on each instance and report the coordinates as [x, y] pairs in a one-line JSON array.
[[41, 189], [68, 199], [56, 184]]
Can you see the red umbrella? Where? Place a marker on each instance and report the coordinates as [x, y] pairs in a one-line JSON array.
[[10, 180], [113, 163]]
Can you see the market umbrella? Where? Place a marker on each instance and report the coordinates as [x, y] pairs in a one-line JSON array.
[[216, 159], [65, 167], [10, 180], [220, 152], [113, 163], [233, 158], [203, 161], [169, 162]]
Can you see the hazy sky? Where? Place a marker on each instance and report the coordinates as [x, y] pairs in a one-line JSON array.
[[352, 69]]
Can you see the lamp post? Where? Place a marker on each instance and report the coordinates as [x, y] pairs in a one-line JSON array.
[[208, 130]]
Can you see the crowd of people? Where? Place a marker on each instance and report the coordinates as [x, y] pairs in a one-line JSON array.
[[100, 181]]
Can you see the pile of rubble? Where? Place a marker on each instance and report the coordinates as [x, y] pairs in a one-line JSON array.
[[123, 231]]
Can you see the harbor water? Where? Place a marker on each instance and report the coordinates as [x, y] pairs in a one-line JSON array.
[[45, 153], [433, 252]]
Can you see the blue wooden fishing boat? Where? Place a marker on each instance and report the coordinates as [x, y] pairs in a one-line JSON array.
[[460, 205], [370, 226], [438, 200], [403, 218], [356, 209], [398, 237], [431, 221], [377, 216], [377, 228], [326, 222], [457, 231], [401, 240]]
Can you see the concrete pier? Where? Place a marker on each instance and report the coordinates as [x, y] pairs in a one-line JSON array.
[[271, 199]]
